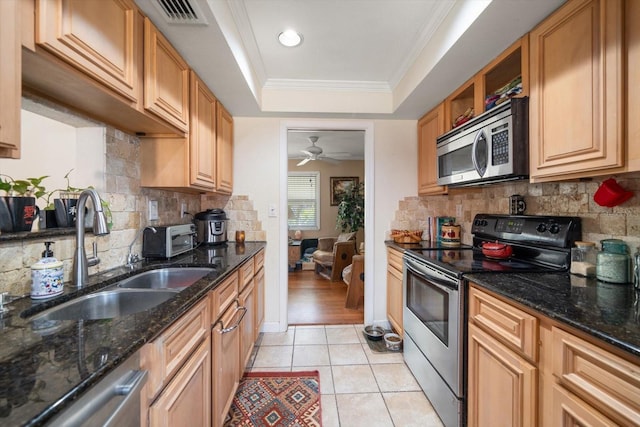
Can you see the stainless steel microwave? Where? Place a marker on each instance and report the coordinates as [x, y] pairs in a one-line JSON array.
[[491, 147]]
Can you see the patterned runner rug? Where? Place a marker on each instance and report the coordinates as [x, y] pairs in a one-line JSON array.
[[277, 399]]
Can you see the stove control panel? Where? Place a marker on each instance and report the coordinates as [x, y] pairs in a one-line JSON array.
[[558, 231]]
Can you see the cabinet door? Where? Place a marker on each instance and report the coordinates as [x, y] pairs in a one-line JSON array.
[[632, 18], [99, 37], [259, 301], [202, 135], [576, 104], [10, 79], [166, 79], [430, 127], [188, 395], [501, 385], [226, 369], [224, 159], [394, 290], [569, 411], [247, 326]]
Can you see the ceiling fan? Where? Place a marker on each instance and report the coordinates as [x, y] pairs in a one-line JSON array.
[[314, 152]]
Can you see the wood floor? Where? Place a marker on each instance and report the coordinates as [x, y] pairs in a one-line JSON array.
[[314, 300]]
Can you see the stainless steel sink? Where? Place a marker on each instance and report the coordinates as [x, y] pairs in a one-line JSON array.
[[166, 278], [107, 304]]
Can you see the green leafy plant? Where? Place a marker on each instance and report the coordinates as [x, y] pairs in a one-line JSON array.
[[30, 187], [351, 210]]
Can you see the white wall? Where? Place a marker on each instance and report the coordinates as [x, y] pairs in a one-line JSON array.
[[259, 167], [52, 148]]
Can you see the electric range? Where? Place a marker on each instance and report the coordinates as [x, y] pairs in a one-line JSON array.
[[434, 296]]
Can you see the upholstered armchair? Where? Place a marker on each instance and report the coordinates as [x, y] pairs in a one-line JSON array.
[[334, 254], [353, 276]]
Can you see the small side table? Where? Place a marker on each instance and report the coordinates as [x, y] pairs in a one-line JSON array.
[[294, 253]]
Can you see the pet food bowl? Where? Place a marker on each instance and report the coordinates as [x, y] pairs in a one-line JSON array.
[[611, 194], [393, 341], [374, 333]]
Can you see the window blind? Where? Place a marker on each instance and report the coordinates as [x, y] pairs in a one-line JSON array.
[[303, 200]]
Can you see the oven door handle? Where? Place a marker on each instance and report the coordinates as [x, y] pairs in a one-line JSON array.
[[434, 280]]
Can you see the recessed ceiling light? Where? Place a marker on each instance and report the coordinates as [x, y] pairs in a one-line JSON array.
[[290, 38]]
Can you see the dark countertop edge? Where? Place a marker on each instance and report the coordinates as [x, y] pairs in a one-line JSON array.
[[77, 390], [484, 280]]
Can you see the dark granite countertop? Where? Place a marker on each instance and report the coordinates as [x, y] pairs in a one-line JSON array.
[[46, 365], [606, 311]]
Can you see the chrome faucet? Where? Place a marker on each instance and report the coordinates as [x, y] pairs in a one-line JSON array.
[[131, 257], [80, 262]]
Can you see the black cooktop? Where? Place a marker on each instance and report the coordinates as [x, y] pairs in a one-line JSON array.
[[468, 260]]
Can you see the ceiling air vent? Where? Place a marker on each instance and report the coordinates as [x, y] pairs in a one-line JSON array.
[[181, 11]]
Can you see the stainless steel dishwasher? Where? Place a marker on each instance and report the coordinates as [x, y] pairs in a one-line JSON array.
[[114, 401]]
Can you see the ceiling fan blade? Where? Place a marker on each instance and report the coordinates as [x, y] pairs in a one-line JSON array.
[[306, 153], [304, 162], [329, 160]]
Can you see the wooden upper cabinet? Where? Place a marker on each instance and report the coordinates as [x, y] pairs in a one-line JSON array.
[[166, 79], [576, 105], [469, 99], [202, 135], [224, 157], [98, 37], [10, 78], [632, 18], [186, 164], [430, 126]]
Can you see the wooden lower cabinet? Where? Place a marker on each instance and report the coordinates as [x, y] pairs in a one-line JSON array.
[[247, 326], [225, 350], [570, 411], [188, 395], [501, 384], [571, 379], [259, 301], [394, 289]]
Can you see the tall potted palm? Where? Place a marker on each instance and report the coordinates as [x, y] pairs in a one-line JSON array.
[[351, 210]]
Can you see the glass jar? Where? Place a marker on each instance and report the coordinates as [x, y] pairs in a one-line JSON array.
[[583, 259], [613, 263]]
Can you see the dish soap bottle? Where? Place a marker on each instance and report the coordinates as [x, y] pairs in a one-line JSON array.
[[47, 275]]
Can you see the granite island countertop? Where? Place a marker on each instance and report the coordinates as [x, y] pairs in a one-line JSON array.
[[46, 365]]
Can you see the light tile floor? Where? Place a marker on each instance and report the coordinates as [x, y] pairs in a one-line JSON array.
[[359, 387]]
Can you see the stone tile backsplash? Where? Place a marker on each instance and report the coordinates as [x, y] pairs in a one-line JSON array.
[[557, 198], [128, 202]]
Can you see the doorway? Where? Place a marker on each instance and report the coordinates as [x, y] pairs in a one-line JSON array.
[[322, 163], [316, 299]]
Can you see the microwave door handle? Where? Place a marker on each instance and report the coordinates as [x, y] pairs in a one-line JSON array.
[[474, 159]]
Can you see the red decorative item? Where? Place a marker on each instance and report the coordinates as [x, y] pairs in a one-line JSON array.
[[496, 250], [611, 194]]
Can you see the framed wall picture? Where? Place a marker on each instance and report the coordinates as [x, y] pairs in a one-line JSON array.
[[339, 186]]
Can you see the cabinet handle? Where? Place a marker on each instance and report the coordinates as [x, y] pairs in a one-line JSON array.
[[231, 328]]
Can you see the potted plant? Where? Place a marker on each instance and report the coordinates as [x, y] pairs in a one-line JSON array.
[[351, 209], [18, 208], [65, 204]]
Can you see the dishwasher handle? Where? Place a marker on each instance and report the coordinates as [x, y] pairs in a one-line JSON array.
[[131, 391]]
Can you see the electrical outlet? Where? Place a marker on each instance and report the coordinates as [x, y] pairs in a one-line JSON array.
[[153, 210], [183, 210], [459, 212], [273, 210]]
